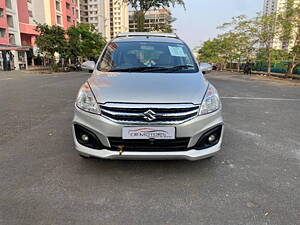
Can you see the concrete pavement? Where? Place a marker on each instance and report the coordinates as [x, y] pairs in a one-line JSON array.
[[254, 179]]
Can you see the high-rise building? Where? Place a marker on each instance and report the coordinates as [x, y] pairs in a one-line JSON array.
[[109, 17], [17, 27], [92, 12], [119, 21], [277, 6], [271, 6], [154, 19]]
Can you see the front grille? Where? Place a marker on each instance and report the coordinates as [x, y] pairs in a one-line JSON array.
[[178, 144], [149, 113]]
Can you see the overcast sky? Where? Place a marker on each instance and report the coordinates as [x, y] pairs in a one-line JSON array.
[[199, 21]]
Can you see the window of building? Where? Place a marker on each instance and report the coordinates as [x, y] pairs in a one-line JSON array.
[[2, 32], [1, 12], [57, 5], [68, 5], [73, 11], [30, 13], [12, 39], [8, 4], [68, 18], [10, 21], [58, 20], [21, 56]]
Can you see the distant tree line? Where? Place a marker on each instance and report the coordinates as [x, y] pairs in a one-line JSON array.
[[77, 43], [252, 39]]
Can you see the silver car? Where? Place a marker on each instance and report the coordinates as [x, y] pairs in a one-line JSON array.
[[147, 99], [205, 67]]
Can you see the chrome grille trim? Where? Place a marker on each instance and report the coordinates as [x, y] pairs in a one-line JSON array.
[[147, 106], [166, 114], [157, 114]]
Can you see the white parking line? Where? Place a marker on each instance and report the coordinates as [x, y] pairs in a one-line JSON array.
[[7, 78], [270, 99]]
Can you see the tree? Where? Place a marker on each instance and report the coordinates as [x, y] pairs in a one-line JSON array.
[[277, 56], [242, 36], [51, 40], [229, 51], [143, 6], [209, 51], [240, 33], [215, 51], [289, 27], [165, 28], [263, 28], [84, 42], [221, 50]]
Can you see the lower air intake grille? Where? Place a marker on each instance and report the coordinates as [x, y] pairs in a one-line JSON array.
[[178, 144]]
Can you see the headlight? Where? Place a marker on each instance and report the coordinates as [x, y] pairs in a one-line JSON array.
[[86, 100], [211, 101]]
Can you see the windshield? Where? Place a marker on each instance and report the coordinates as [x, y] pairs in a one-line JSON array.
[[147, 57]]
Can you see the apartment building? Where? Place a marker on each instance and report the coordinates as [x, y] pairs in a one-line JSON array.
[[153, 19], [10, 40], [64, 13], [277, 6], [271, 6], [109, 17], [119, 18], [92, 12], [17, 27]]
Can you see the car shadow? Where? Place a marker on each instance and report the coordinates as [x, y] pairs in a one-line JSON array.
[[149, 169]]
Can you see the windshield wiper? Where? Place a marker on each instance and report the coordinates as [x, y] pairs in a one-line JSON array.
[[135, 69], [175, 68], [154, 68]]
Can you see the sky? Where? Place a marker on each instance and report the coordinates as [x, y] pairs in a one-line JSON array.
[[198, 22]]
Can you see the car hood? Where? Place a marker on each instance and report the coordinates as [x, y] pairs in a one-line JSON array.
[[148, 87]]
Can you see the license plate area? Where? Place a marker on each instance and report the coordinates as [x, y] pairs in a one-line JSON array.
[[159, 133]]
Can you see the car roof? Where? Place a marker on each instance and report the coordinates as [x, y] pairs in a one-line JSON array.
[[144, 37]]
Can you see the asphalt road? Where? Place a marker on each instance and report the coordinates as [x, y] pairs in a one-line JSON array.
[[254, 180]]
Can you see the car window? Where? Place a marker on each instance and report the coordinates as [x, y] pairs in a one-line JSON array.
[[205, 64], [160, 55]]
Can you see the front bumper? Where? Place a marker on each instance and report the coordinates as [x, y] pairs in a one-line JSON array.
[[104, 128]]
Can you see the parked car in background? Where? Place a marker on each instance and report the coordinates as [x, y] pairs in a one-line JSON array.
[[205, 67], [88, 66], [147, 99]]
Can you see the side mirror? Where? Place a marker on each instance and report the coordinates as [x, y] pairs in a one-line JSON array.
[[88, 66]]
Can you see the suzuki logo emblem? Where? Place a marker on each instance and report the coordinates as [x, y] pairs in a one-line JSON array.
[[149, 115]]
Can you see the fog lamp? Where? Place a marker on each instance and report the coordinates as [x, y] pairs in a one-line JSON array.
[[212, 138], [85, 138]]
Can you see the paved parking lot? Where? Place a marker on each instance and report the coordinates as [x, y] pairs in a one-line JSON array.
[[254, 180]]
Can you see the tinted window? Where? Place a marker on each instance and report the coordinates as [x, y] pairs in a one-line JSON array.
[[126, 55]]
